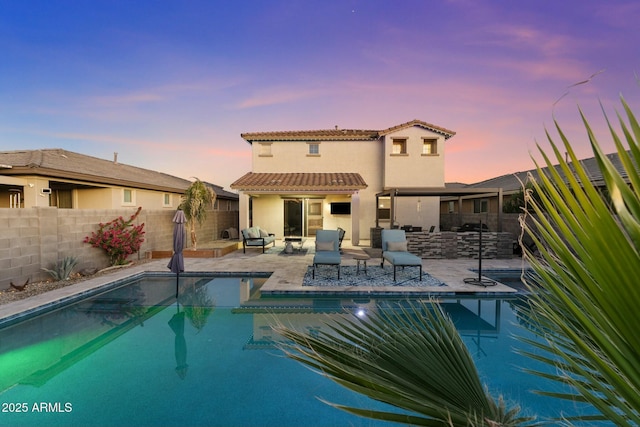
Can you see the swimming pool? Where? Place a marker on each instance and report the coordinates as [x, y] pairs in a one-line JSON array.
[[135, 356]]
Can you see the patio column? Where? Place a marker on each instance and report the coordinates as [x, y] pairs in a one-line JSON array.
[[244, 210], [355, 218]]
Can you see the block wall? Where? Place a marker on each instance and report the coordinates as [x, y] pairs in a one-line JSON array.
[[38, 237]]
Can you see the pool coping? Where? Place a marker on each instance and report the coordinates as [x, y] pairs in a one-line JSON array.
[[285, 279]]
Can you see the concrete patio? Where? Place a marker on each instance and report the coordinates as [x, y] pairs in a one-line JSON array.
[[287, 273]]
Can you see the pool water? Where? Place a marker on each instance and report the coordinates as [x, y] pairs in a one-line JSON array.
[[135, 356]]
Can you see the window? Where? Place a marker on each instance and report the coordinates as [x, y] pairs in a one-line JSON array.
[[314, 149], [480, 206], [452, 207], [265, 150], [429, 147], [315, 208], [384, 208], [399, 146], [166, 199], [128, 197]]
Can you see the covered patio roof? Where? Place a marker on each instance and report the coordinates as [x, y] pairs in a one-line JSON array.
[[330, 182], [459, 193]]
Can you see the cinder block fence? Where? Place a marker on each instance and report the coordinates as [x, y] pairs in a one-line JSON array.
[[33, 238]]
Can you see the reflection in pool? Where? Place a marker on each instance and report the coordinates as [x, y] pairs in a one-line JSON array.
[[135, 356]]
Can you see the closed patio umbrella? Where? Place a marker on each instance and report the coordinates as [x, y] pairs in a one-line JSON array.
[[180, 343], [176, 264]]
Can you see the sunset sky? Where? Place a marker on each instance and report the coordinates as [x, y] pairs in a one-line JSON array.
[[171, 85]]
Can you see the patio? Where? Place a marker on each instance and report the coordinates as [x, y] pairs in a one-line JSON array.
[[288, 273]]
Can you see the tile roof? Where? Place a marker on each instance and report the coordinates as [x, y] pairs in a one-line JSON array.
[[221, 193], [513, 182], [307, 182], [63, 164], [340, 134], [433, 128]]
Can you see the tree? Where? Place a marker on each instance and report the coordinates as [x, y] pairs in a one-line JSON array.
[[196, 200], [585, 306], [516, 203]]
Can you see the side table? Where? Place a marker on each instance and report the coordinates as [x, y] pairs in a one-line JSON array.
[[361, 258]]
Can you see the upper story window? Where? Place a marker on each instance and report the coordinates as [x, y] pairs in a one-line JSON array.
[[166, 199], [429, 147], [399, 146], [314, 149], [265, 149]]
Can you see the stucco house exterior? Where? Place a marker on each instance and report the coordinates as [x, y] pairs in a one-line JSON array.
[[302, 181], [69, 180]]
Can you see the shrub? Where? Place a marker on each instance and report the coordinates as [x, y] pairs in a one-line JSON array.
[[119, 238], [62, 269]]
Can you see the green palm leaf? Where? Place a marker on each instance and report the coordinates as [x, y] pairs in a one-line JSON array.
[[411, 357], [589, 266]]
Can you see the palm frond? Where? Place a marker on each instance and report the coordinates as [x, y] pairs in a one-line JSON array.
[[410, 357], [589, 266]]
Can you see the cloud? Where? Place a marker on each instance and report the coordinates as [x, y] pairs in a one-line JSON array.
[[278, 95]]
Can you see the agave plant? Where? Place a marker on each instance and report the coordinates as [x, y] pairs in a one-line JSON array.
[[411, 357], [589, 268], [62, 269], [198, 197]]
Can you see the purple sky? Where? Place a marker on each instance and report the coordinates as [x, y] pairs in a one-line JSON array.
[[170, 85]]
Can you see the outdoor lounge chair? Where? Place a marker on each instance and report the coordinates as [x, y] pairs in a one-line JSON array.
[[341, 233], [327, 250], [394, 250]]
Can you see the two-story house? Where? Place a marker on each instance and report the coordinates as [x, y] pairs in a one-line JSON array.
[[302, 181]]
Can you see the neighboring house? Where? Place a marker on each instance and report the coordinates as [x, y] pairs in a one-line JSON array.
[[488, 204], [225, 200], [64, 179], [303, 181]]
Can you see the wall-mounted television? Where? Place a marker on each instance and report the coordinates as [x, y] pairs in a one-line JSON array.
[[340, 208]]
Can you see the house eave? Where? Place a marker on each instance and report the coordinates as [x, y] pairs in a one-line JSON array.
[[91, 179]]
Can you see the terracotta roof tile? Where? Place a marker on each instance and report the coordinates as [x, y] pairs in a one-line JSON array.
[[437, 129], [340, 134], [300, 182], [313, 135]]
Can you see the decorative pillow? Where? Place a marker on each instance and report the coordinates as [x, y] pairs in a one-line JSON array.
[[253, 233], [397, 246], [324, 246], [263, 233]]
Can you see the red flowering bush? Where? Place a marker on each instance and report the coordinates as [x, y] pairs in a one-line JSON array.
[[119, 238]]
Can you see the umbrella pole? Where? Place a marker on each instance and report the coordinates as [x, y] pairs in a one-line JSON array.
[[479, 281], [177, 283]]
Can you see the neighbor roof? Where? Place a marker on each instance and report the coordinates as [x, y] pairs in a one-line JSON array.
[[63, 164], [340, 134], [303, 182], [221, 193], [513, 182]]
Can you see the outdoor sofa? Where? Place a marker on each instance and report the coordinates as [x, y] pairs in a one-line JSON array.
[[256, 237]]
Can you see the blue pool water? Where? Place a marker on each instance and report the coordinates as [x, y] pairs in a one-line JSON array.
[[134, 356]]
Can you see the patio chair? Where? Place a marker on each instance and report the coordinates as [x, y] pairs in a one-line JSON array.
[[394, 250], [327, 250], [341, 234]]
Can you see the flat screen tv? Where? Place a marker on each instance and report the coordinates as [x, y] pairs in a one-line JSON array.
[[340, 208]]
